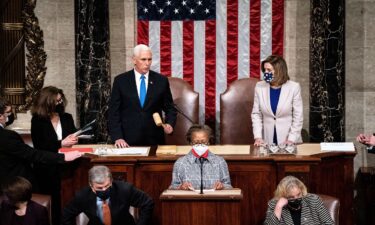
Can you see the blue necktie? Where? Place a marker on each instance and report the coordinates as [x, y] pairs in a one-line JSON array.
[[142, 92]]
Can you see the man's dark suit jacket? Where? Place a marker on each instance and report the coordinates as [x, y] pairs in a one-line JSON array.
[[128, 120], [16, 156], [123, 195], [36, 214]]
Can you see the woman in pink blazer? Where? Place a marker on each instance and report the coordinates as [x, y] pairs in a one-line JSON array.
[[278, 111]]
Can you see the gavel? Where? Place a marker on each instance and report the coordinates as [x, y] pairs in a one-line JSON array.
[[157, 119]]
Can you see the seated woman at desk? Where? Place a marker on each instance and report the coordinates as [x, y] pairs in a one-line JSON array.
[[187, 169], [293, 205], [18, 208]]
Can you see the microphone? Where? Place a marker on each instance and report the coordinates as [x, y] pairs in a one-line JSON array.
[[201, 160], [182, 113]]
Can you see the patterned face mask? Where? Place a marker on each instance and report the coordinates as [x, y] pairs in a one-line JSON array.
[[268, 77]]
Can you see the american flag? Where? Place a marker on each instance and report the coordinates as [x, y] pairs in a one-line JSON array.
[[210, 43]]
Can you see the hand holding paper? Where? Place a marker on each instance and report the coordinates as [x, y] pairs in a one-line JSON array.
[[69, 141], [87, 127]]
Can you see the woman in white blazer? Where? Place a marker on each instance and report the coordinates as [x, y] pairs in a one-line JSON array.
[[277, 114]]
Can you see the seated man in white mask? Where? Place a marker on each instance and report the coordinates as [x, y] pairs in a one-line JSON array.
[[187, 169]]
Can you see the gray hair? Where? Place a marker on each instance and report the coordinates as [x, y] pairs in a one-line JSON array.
[[139, 48], [99, 174]]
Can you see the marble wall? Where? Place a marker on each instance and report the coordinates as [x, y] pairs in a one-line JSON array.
[[296, 48], [327, 71], [360, 82], [93, 65]]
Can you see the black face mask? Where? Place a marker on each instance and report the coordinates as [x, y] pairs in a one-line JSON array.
[[10, 120], [59, 108], [104, 195], [295, 203]]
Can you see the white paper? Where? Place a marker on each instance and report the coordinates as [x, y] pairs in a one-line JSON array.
[[85, 136], [204, 190], [130, 151], [337, 146]]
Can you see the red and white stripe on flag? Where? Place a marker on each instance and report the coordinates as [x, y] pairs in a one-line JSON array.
[[212, 53]]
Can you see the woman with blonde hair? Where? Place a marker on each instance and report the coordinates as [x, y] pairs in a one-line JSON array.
[[292, 205]]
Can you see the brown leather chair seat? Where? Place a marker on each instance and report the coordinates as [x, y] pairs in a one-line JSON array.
[[187, 101], [333, 206], [236, 105]]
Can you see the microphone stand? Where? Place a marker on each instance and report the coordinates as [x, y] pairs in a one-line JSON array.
[[182, 113], [201, 160]]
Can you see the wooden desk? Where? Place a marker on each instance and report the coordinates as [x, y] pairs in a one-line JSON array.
[[329, 173], [181, 207]]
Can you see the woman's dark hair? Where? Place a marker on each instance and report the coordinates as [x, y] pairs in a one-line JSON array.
[[18, 189], [280, 67], [198, 128], [4, 103], [45, 104]]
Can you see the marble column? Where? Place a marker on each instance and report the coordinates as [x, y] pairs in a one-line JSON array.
[[93, 81], [327, 71]]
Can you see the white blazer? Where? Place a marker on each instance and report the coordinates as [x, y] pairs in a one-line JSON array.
[[289, 113]]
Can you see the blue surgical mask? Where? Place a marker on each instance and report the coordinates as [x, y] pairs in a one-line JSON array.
[[268, 77]]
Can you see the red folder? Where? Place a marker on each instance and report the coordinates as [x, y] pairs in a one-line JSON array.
[[83, 150]]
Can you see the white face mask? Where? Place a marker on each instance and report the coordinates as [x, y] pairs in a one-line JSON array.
[[200, 149]]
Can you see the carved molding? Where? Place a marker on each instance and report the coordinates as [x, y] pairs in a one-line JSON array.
[[35, 55], [12, 26]]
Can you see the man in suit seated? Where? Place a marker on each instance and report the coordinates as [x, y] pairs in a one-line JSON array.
[[16, 156], [136, 95], [107, 202]]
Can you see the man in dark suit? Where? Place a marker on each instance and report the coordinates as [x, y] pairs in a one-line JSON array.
[[16, 156], [107, 202], [136, 96]]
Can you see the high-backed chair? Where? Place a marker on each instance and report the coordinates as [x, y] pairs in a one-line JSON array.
[[333, 206], [186, 100], [44, 200], [236, 105]]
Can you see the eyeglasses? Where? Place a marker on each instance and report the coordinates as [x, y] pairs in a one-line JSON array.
[[199, 143]]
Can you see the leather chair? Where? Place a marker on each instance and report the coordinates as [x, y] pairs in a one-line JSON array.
[[333, 206], [44, 200], [186, 100], [236, 105]]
